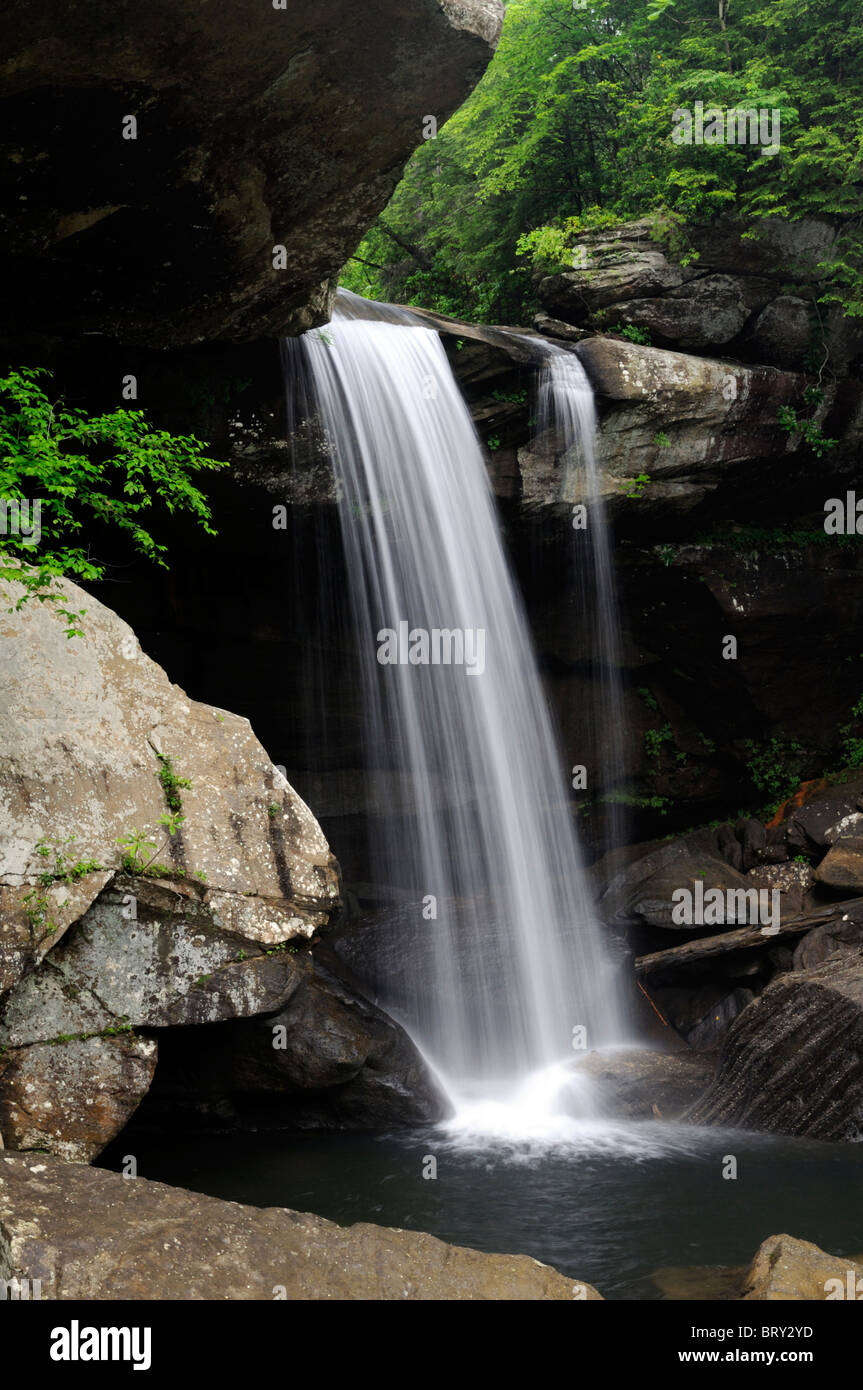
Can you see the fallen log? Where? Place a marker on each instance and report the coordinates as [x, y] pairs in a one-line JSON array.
[[744, 938]]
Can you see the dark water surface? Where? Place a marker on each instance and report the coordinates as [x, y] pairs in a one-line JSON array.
[[611, 1211]]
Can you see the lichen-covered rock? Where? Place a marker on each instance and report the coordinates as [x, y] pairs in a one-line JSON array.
[[842, 866], [786, 1269], [257, 126], [151, 955], [684, 421], [92, 729], [158, 1242], [73, 1097]]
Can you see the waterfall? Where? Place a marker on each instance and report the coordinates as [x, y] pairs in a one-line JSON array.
[[507, 972], [566, 416]]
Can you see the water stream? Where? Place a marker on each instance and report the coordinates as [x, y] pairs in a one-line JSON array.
[[513, 978]]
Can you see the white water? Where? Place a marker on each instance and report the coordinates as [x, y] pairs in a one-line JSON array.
[[566, 417], [513, 961]]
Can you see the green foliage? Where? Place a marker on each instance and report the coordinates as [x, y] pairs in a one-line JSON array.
[[810, 432], [138, 851], [641, 803], [852, 740], [171, 785], [635, 335], [511, 397], [64, 869], [662, 439], [775, 767], [570, 129], [637, 485], [86, 470], [548, 248], [770, 540], [654, 739]]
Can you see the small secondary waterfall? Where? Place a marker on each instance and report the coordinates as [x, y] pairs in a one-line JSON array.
[[513, 973], [566, 414]]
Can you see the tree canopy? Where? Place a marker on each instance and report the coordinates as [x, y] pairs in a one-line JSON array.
[[572, 127]]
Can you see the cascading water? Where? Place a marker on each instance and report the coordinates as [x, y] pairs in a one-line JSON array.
[[512, 965], [566, 415]]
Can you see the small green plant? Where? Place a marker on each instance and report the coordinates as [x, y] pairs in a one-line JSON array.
[[654, 739], [644, 803], [138, 851], [666, 553], [647, 697], [273, 810], [494, 442], [65, 869], [511, 397], [171, 783], [775, 767], [637, 485], [632, 333], [810, 432], [852, 742], [662, 440]]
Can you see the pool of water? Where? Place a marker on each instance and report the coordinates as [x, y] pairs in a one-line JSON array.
[[612, 1204]]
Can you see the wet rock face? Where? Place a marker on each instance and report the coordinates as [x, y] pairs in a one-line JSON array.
[[157, 1242], [793, 1061], [162, 151], [327, 1059], [641, 1085]]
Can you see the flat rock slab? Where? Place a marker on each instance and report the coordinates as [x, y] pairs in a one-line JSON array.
[[157, 1242], [633, 1081]]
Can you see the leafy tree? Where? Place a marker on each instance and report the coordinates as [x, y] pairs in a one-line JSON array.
[[110, 469], [572, 123]]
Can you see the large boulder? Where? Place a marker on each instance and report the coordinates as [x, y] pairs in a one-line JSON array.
[[153, 1242], [100, 744], [213, 923], [327, 1058], [792, 1062], [258, 125], [72, 1095], [687, 422], [786, 1269]]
